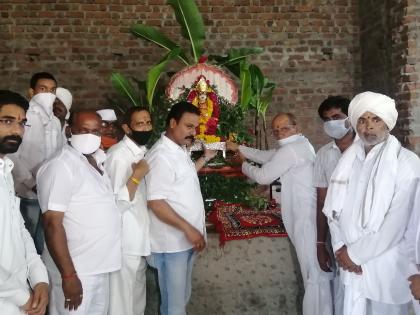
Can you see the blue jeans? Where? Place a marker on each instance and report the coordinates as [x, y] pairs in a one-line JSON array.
[[174, 275], [31, 213]]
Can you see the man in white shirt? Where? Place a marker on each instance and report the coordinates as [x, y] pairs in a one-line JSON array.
[[368, 203], [82, 222], [177, 219], [126, 168], [333, 111], [40, 142], [23, 277], [293, 162]]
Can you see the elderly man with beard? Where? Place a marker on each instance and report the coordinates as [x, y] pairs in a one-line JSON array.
[[368, 203], [81, 220], [23, 277], [127, 168]]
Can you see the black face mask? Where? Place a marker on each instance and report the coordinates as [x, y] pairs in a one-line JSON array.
[[141, 137]]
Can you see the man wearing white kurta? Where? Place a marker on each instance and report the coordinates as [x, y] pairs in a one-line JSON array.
[[23, 277], [82, 223], [333, 112], [40, 142], [293, 162], [126, 168], [368, 204], [177, 220]]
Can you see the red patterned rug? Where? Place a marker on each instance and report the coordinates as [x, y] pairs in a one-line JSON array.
[[235, 222]]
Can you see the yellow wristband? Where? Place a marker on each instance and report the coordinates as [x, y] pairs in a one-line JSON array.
[[134, 180]]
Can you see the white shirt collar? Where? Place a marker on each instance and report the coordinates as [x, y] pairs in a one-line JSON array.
[[171, 144], [134, 147], [6, 165]]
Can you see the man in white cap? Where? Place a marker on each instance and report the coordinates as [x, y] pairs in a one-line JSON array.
[[40, 142], [368, 203], [109, 128], [61, 109]]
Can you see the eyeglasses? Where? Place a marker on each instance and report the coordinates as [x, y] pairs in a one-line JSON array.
[[283, 129], [11, 122]]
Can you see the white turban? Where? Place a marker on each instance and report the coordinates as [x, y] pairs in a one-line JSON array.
[[65, 97], [107, 114], [378, 104]]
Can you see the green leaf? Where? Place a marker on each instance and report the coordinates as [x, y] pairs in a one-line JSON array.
[[155, 36], [245, 77], [192, 26], [257, 79], [124, 87], [236, 55], [154, 73]]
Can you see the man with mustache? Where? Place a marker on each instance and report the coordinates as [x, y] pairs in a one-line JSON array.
[[369, 200], [40, 142], [127, 168], [177, 229], [23, 277]]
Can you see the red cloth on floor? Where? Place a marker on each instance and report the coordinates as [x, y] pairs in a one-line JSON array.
[[236, 222]]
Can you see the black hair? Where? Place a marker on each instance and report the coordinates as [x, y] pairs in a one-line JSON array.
[[9, 97], [74, 113], [129, 113], [41, 75], [179, 109], [340, 102]]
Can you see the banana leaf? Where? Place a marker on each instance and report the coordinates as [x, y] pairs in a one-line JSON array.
[[192, 26], [124, 88], [154, 73], [246, 91], [257, 80], [235, 55], [155, 36]]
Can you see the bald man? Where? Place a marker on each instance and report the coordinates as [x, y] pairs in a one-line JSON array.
[[368, 203], [82, 222], [292, 162]]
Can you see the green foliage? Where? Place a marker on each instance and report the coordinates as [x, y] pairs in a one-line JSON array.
[[154, 73], [232, 121], [230, 189], [236, 55], [153, 35], [192, 26], [124, 88]]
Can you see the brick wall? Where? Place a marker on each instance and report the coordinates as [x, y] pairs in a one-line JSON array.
[[390, 62], [312, 47]]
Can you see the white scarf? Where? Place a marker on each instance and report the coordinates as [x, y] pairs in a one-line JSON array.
[[380, 189]]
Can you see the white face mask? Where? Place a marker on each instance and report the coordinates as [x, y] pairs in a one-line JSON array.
[[86, 143], [336, 128], [45, 100]]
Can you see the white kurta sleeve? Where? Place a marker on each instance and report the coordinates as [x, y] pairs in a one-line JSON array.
[[119, 171], [160, 179], [36, 268], [336, 239], [54, 182], [279, 163], [392, 229], [11, 288], [258, 156]]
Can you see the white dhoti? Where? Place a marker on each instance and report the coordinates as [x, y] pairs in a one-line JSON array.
[[128, 287], [95, 296], [356, 304]]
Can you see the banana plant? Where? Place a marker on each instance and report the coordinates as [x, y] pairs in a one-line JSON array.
[[256, 94]]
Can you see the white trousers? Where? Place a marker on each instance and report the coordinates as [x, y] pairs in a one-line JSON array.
[[128, 287], [356, 304], [95, 296]]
